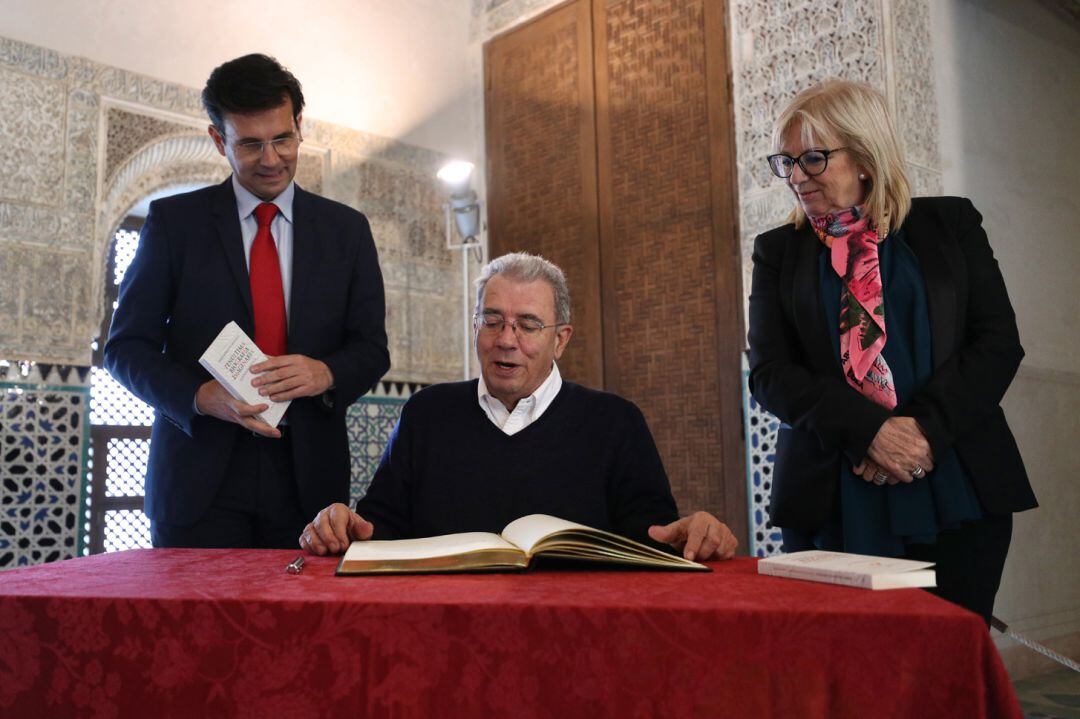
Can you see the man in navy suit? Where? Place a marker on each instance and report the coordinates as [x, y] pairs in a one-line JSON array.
[[299, 273]]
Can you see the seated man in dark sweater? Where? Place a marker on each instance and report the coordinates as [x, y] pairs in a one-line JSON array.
[[474, 456]]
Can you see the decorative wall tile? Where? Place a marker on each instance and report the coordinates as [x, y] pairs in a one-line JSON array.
[[760, 432], [42, 472], [370, 422]]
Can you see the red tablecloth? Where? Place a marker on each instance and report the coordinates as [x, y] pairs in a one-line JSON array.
[[212, 633]]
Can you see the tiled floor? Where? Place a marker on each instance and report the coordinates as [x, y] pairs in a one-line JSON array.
[[1056, 694]]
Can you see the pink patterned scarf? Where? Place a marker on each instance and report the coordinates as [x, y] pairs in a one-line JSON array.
[[853, 241]]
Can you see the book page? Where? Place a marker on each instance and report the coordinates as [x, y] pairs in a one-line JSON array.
[[530, 529], [448, 545]]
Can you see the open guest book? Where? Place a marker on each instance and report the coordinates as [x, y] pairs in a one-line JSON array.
[[520, 541], [854, 570]]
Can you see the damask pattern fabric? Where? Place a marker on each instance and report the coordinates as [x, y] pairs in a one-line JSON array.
[[229, 633]]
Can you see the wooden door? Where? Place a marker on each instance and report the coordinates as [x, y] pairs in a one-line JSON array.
[[541, 164], [669, 247]]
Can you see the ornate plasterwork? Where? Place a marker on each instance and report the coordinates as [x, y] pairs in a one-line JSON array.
[[778, 51], [914, 101], [32, 164], [127, 132], [91, 141]]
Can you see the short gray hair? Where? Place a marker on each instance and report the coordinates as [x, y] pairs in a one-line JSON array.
[[523, 267]]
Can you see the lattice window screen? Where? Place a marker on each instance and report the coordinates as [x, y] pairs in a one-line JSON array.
[[125, 244], [126, 529], [120, 435], [111, 404], [126, 467]]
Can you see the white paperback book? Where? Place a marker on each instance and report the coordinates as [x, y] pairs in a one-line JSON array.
[[228, 359], [854, 570]]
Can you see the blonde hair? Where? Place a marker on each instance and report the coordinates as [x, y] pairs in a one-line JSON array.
[[852, 115]]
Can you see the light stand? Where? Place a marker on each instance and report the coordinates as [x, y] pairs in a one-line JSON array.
[[463, 211]]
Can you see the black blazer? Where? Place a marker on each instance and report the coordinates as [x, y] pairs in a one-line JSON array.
[[976, 352], [188, 279]]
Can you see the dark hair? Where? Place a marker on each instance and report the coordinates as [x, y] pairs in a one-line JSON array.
[[249, 84]]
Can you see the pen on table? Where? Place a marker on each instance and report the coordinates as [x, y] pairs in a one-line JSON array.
[[295, 566]]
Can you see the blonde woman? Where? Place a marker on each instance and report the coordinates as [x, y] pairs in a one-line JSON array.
[[882, 336]]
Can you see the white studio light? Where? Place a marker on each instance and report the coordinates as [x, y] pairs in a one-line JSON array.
[[456, 174]]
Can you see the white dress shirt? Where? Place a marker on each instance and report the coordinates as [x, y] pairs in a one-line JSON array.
[[527, 410]]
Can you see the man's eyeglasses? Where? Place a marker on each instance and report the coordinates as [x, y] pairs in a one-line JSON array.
[[812, 162], [523, 326], [284, 146]]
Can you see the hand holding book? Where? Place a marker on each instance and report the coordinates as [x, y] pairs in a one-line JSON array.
[[214, 400], [289, 377], [254, 390]]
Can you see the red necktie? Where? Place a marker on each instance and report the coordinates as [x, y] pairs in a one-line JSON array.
[[267, 295]]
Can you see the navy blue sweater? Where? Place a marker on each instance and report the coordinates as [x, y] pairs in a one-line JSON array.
[[590, 458]]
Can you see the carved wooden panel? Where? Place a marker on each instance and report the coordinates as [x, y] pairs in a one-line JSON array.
[[672, 326], [541, 152]]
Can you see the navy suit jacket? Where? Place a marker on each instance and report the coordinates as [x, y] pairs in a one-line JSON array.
[[975, 350], [188, 279]]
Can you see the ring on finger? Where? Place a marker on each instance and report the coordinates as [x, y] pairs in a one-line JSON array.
[[918, 472], [880, 478]]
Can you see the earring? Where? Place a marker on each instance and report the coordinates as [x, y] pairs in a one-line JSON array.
[[862, 176]]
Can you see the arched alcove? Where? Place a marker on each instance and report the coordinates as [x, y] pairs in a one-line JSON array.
[[172, 161]]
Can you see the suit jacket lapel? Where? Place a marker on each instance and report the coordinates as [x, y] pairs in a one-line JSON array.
[[305, 254], [228, 228], [806, 302], [925, 240]]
